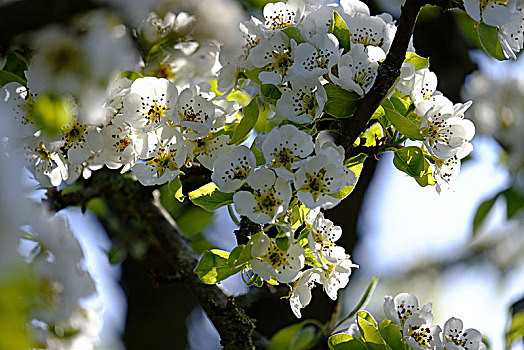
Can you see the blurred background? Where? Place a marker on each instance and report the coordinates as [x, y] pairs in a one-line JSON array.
[[442, 248]]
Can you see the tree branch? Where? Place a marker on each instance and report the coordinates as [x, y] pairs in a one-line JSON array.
[[142, 205], [388, 72]]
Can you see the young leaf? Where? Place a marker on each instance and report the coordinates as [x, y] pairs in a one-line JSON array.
[[341, 103], [175, 188], [426, 178], [417, 61], [50, 113], [354, 164], [253, 75], [340, 30], [209, 197], [344, 341], [489, 41], [131, 75], [391, 335], [410, 160], [294, 33], [213, 267], [405, 126], [8, 77], [240, 255], [514, 201], [270, 93], [247, 122], [483, 211], [368, 328], [17, 64]]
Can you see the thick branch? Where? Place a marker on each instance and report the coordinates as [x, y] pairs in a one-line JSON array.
[[388, 72], [139, 203]]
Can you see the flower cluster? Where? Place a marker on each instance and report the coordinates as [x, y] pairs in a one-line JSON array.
[[507, 16], [447, 134], [416, 326]]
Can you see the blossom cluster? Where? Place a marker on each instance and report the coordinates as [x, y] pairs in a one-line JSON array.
[[158, 116], [446, 131], [416, 326], [507, 16]]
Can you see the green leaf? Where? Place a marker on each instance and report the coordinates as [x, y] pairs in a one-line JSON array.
[[131, 75], [282, 339], [514, 202], [416, 60], [355, 165], [340, 29], [344, 341], [50, 113], [298, 336], [400, 105], [427, 178], [391, 335], [410, 160], [8, 77], [175, 188], [270, 93], [294, 33], [341, 103], [483, 211], [516, 330], [253, 75], [213, 267], [369, 329], [489, 41], [209, 197], [364, 300], [17, 64], [116, 254], [250, 117], [379, 112], [193, 221], [372, 134], [404, 125], [240, 255]]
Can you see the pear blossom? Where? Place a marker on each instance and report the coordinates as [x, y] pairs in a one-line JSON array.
[[274, 54], [150, 103], [455, 338], [419, 333], [118, 145], [165, 165], [19, 101], [313, 58], [446, 131], [154, 27], [398, 309], [230, 171], [322, 235], [511, 34], [269, 199], [357, 69], [281, 15], [317, 178], [285, 147], [46, 162], [304, 103], [301, 290], [269, 260], [75, 137], [337, 276], [491, 12], [195, 113], [206, 150], [371, 30]]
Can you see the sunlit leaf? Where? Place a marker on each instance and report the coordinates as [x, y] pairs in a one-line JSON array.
[[250, 117], [340, 30], [213, 267], [410, 160], [341, 103], [209, 197]]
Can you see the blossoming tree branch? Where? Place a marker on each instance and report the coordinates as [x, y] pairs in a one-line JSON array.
[[275, 125]]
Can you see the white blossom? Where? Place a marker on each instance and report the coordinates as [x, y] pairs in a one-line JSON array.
[[268, 200], [230, 171], [301, 290]]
